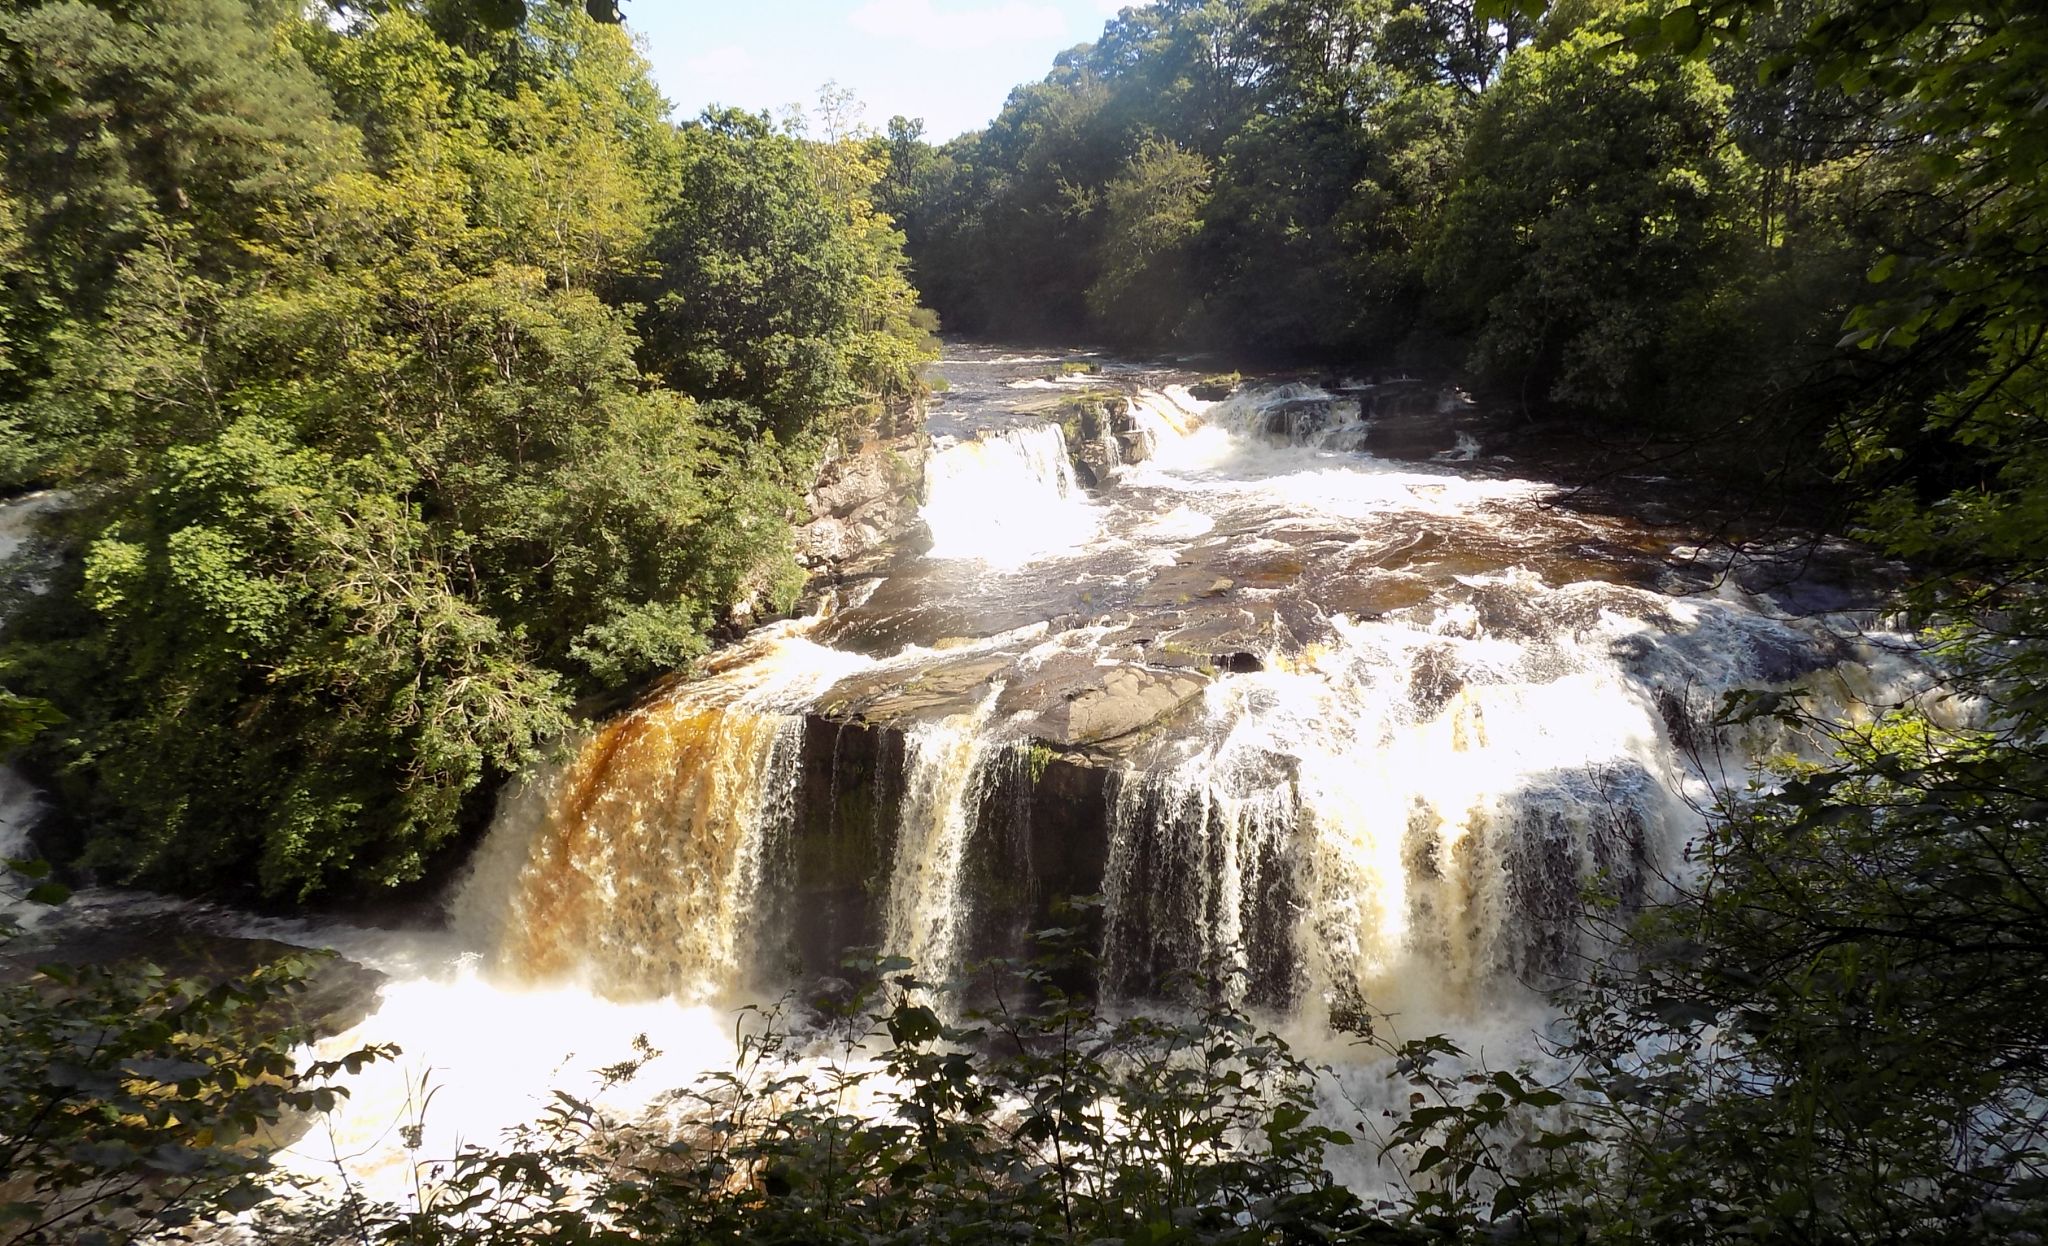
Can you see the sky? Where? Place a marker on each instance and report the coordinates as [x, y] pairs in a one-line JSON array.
[[950, 62]]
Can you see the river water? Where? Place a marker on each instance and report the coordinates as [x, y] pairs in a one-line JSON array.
[[1334, 706]]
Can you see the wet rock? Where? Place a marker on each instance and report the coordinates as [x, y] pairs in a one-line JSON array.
[[1745, 649], [1216, 388], [1409, 422], [1192, 580], [1816, 575], [1129, 699], [1434, 679], [1092, 466], [1779, 655], [937, 691], [1297, 419], [1687, 720], [1095, 424], [1040, 832], [1372, 597], [1160, 942], [1226, 639]]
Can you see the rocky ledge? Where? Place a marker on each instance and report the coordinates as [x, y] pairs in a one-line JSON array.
[[863, 505]]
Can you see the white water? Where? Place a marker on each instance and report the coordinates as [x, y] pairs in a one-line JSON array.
[[20, 803], [943, 766], [1400, 813], [1007, 499]]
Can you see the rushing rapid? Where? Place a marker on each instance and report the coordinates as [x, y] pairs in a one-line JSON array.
[[1331, 718], [1328, 729]]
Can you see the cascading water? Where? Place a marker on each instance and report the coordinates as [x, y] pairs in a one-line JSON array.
[[646, 860], [1326, 730], [1399, 801], [1007, 498], [943, 765], [638, 863]]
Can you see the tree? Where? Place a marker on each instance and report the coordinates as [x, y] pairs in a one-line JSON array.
[[372, 483], [1592, 215], [1146, 289]]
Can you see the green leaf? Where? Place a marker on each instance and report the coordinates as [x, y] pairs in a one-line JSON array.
[[1681, 29], [49, 893]]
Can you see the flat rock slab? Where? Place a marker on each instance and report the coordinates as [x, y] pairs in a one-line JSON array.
[[1126, 700], [895, 698]]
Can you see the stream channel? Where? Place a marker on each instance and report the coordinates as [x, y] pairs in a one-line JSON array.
[[1332, 705]]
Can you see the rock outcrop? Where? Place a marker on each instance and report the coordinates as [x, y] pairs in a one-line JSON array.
[[864, 502], [1126, 700]]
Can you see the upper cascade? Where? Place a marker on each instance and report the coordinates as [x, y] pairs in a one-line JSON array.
[[1006, 498], [1325, 730]]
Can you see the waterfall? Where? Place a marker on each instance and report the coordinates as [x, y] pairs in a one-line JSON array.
[[1193, 885], [1161, 417], [943, 768], [1409, 816], [1405, 812], [638, 862], [644, 854], [1431, 711], [1007, 498]]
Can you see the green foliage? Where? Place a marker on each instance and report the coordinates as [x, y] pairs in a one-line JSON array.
[[1155, 212], [1591, 216], [1251, 174], [133, 1103], [372, 478], [22, 719], [779, 286]]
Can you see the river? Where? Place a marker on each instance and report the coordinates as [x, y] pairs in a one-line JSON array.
[[1334, 706]]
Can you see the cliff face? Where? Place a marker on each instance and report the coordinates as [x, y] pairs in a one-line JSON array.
[[864, 503]]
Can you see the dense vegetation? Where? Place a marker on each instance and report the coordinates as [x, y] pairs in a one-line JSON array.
[[358, 340], [1586, 221], [413, 376]]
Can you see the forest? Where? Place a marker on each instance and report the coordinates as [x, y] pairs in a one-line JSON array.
[[361, 344], [420, 387]]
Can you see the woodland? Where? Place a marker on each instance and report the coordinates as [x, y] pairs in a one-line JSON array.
[[419, 383]]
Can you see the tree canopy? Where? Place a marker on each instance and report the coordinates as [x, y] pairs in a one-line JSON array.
[[414, 376]]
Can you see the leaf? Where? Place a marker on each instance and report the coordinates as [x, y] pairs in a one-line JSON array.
[[49, 893], [1682, 30]]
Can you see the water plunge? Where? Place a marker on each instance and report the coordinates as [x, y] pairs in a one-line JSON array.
[[1324, 730]]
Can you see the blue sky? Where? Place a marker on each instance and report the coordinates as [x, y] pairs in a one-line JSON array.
[[952, 62]]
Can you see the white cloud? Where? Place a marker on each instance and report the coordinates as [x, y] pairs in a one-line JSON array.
[[923, 23]]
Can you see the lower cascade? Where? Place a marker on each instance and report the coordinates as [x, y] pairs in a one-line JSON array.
[[1324, 730], [1338, 715]]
